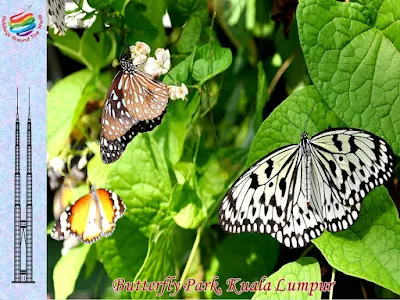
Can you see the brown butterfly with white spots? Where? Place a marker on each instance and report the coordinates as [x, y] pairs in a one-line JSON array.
[[135, 102]]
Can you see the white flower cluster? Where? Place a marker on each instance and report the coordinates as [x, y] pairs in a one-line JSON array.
[[156, 66]]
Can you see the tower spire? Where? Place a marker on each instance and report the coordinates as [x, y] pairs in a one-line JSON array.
[[29, 211], [29, 106], [17, 204], [17, 103]]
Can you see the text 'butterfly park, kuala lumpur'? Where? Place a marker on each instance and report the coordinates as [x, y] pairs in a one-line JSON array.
[[298, 191]]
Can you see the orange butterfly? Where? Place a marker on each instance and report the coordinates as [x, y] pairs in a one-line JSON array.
[[91, 217]]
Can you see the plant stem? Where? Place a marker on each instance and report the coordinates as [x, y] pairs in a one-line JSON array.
[[191, 256], [332, 279], [305, 252], [212, 20], [281, 70]]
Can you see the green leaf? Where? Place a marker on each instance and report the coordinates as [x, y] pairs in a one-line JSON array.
[[262, 96], [95, 49], [182, 71], [172, 133], [97, 46], [210, 60], [97, 170], [353, 57], [159, 262], [98, 4], [306, 270], [189, 36], [181, 10], [276, 131], [186, 207], [144, 22], [67, 270], [140, 178], [248, 256], [123, 253], [369, 249], [64, 107]]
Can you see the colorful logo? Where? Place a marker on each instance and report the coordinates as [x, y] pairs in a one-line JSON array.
[[22, 27], [22, 24]]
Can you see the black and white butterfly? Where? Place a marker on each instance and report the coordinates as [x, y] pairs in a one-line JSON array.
[[135, 102], [56, 15], [298, 191]]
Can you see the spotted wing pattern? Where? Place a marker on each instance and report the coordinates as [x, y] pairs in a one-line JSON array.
[[91, 217], [347, 164], [135, 103], [271, 197], [56, 15]]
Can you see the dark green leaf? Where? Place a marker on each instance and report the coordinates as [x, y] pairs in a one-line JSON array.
[[248, 256], [353, 61]]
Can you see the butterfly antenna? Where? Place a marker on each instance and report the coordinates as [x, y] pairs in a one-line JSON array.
[[293, 123], [122, 52], [305, 125]]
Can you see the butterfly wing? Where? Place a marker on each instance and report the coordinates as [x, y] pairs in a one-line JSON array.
[[269, 198], [78, 220], [56, 15], [135, 103], [90, 218], [112, 207], [346, 164]]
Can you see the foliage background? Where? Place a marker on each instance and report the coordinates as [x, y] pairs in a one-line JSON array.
[[246, 65]]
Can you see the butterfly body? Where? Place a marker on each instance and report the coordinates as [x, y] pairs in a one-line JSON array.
[[298, 191], [91, 217], [135, 103]]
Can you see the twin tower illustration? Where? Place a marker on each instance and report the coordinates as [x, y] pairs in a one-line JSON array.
[[23, 272]]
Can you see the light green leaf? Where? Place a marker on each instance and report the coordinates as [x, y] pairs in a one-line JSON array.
[[276, 131], [305, 271], [64, 106], [159, 262], [97, 170], [140, 177], [369, 249], [189, 36], [248, 256], [353, 57], [210, 60], [173, 130], [186, 207], [67, 270]]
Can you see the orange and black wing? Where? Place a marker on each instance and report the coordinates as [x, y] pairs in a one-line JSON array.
[[74, 220], [91, 217], [112, 207]]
